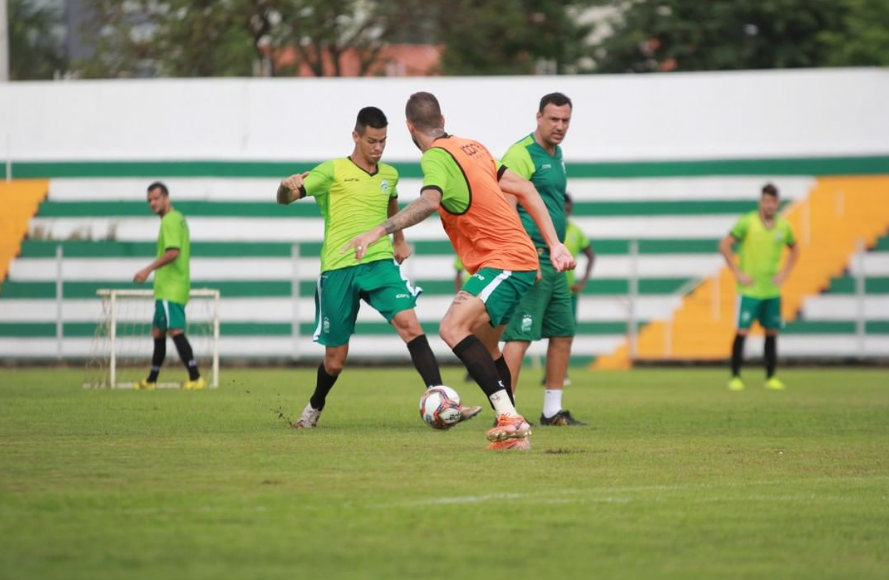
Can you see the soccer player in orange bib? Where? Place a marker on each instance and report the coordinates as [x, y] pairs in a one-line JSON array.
[[475, 197]]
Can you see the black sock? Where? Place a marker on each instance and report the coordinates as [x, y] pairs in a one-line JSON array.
[[480, 365], [323, 385], [771, 355], [737, 354], [506, 376], [187, 356], [424, 361], [157, 359]]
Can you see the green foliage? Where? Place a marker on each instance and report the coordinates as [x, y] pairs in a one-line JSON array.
[[676, 478], [179, 38], [864, 40], [490, 37], [664, 35], [323, 31], [35, 49]]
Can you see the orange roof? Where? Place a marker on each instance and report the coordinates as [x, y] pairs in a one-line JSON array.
[[394, 60]]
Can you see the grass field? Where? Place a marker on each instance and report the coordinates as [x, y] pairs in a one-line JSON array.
[[675, 478]]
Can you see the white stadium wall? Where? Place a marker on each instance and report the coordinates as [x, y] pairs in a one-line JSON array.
[[817, 113]]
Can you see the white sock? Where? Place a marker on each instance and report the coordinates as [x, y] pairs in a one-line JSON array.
[[502, 404], [552, 402]]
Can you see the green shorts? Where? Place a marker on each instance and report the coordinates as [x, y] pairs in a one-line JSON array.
[[338, 293], [766, 310], [168, 315], [500, 290], [545, 311]]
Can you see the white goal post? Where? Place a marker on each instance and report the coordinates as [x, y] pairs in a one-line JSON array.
[[122, 346]]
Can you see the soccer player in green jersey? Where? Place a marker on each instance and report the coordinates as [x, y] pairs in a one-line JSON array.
[[761, 236], [354, 194], [546, 310], [172, 284]]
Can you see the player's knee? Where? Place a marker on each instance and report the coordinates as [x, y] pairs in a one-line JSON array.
[[334, 362], [448, 333], [334, 366]]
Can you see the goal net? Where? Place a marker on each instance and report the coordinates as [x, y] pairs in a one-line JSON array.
[[122, 347]]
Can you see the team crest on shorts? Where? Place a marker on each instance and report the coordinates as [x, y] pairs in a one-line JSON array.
[[325, 325], [527, 321]]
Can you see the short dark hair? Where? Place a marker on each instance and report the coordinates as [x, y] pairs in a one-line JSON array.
[[370, 117], [568, 198], [423, 111], [160, 186], [557, 99], [770, 189]]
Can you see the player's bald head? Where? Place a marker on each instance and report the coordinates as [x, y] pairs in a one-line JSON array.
[[423, 112]]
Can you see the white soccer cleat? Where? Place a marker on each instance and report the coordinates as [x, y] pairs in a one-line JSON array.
[[308, 419]]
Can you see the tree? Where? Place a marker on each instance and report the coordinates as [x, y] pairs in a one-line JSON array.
[[228, 37], [664, 35], [491, 37], [35, 49], [180, 38], [325, 32], [864, 40]]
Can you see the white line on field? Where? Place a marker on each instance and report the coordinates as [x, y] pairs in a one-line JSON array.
[[614, 494]]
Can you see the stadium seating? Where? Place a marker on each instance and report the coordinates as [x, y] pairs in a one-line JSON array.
[[244, 244]]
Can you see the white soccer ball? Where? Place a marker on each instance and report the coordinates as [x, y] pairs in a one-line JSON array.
[[440, 407]]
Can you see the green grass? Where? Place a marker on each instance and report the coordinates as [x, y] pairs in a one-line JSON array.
[[675, 478]]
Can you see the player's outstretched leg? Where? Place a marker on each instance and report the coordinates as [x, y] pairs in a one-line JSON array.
[[510, 425], [408, 327], [328, 373], [467, 312]]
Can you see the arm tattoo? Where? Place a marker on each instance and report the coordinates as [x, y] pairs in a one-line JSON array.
[[417, 211]]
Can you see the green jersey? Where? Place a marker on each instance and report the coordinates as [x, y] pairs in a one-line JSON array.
[[547, 172], [576, 242], [173, 281], [760, 250], [352, 201]]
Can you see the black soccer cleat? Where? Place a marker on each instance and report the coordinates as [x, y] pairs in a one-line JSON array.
[[561, 419]]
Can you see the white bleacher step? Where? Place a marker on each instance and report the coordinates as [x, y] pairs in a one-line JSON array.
[[286, 229], [429, 309], [582, 189], [845, 307], [417, 268]]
